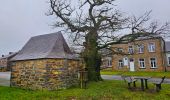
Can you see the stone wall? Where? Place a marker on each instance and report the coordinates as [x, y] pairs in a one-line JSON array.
[[3, 64], [158, 54], [50, 74], [3, 69]]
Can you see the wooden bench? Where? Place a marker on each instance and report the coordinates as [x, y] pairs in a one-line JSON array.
[[158, 84], [129, 80]]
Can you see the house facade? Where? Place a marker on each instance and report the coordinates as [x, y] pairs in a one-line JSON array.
[[106, 58], [5, 64], [144, 54], [167, 48], [45, 62]]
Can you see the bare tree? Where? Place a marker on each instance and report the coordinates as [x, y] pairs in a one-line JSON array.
[[95, 23], [142, 24]]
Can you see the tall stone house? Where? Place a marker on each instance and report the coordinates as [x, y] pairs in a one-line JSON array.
[[45, 62], [144, 54], [5, 64]]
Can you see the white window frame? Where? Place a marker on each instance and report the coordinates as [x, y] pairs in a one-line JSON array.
[[142, 62], [120, 49], [120, 64], [131, 50], [168, 60], [155, 63], [151, 48], [125, 61], [109, 62], [141, 48]]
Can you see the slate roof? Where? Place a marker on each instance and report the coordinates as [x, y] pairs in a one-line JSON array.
[[167, 46], [45, 46]]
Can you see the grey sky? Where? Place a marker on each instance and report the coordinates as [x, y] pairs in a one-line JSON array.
[[22, 19]]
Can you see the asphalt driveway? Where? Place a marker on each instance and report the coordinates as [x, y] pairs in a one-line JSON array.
[[5, 78]]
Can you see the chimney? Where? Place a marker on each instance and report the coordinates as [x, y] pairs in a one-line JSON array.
[[10, 52], [2, 55]]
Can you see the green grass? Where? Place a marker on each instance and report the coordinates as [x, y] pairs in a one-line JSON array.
[[105, 90], [151, 74]]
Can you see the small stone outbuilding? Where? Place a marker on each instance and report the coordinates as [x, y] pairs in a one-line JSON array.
[[45, 62]]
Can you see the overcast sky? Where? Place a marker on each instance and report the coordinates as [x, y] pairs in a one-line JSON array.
[[22, 19]]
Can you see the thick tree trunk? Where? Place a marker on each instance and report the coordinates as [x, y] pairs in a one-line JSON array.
[[98, 64], [91, 57]]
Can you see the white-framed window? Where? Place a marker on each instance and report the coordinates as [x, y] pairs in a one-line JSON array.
[[119, 49], [109, 62], [125, 61], [168, 60], [142, 63], [153, 62], [130, 50], [120, 63], [141, 49], [151, 47]]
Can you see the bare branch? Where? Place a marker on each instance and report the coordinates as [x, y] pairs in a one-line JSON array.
[[157, 29], [136, 24], [98, 17]]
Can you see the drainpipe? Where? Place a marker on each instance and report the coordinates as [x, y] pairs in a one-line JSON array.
[[164, 61]]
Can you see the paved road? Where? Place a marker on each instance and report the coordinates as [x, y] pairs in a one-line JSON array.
[[5, 78], [118, 77]]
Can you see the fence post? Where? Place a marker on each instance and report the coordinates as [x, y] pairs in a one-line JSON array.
[[83, 77]]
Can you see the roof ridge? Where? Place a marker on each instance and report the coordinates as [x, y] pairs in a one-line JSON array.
[[46, 34], [64, 43], [60, 38], [51, 50]]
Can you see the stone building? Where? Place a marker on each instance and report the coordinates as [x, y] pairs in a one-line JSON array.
[[45, 62], [167, 48], [5, 64], [144, 54], [106, 58]]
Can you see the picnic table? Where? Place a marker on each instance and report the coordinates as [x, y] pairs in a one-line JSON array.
[[144, 83], [129, 80]]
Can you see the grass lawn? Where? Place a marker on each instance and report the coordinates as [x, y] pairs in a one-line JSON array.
[[151, 74], [105, 90]]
